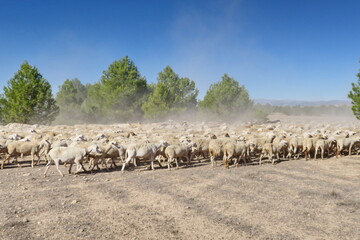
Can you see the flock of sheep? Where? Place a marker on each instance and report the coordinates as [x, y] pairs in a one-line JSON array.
[[173, 142]]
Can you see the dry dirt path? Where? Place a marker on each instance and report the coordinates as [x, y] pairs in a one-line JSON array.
[[291, 200]]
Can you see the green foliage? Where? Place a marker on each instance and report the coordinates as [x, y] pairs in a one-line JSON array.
[[226, 99], [260, 114], [2, 104], [71, 95], [28, 98], [170, 96], [354, 95], [119, 94]]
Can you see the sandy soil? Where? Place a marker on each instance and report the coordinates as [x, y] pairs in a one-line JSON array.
[[291, 200]]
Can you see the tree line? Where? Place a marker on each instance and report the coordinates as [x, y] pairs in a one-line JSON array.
[[122, 94]]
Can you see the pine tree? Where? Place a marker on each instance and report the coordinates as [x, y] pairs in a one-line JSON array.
[[354, 95], [28, 98], [171, 95]]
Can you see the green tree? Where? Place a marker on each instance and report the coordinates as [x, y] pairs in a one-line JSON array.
[[2, 104], [118, 95], [69, 98], [171, 95], [226, 99], [28, 98], [354, 95]]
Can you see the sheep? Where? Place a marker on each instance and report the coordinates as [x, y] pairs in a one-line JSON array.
[[79, 138], [111, 150], [267, 151], [308, 145], [61, 143], [232, 149], [3, 146], [92, 157], [14, 137], [260, 141], [173, 152], [202, 147], [143, 151], [295, 147], [22, 148], [70, 155], [280, 147], [216, 149], [323, 145], [346, 143]]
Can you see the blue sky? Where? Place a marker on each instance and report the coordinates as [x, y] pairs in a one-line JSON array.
[[289, 49]]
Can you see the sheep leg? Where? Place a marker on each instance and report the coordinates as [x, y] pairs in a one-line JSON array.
[[103, 163], [96, 163], [288, 156], [113, 165], [169, 160], [47, 157], [78, 168], [124, 164], [177, 163], [247, 156], [187, 161], [327, 153], [295, 151], [38, 161], [225, 160], [237, 160], [213, 162], [338, 152], [32, 159], [82, 167], [243, 155], [70, 168], [158, 160], [261, 156], [16, 161], [3, 162], [271, 158], [351, 145], [322, 153], [79, 165], [152, 163], [315, 153], [91, 166], [47, 167], [113, 162], [57, 167], [6, 158]]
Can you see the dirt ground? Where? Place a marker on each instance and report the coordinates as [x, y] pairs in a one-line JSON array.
[[295, 199]]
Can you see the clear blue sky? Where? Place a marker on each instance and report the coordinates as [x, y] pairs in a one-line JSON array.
[[288, 49]]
